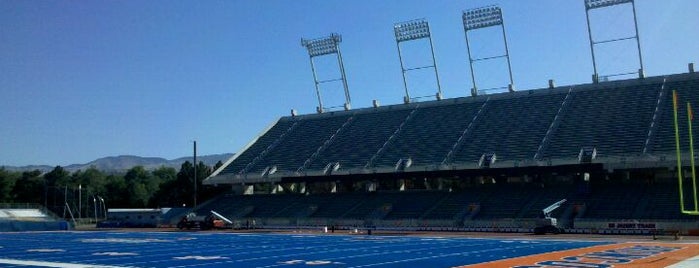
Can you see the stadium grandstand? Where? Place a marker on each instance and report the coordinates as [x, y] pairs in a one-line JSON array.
[[487, 162], [422, 164]]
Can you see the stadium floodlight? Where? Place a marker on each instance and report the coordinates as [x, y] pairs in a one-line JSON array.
[[411, 30], [482, 17], [592, 4], [414, 30], [326, 46], [322, 46]]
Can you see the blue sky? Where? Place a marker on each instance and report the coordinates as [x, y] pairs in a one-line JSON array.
[[83, 80]]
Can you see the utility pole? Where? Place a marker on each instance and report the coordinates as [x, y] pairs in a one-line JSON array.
[[195, 175]]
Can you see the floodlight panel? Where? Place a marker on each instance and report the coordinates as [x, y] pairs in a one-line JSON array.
[[322, 46], [592, 4], [411, 30], [482, 17]]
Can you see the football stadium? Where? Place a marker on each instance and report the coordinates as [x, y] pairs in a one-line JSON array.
[[599, 174]]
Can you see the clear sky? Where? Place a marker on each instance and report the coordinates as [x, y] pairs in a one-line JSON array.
[[81, 80]]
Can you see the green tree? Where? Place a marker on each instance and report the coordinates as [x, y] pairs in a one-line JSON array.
[[29, 187], [166, 196], [7, 184], [94, 180], [57, 176], [54, 191], [116, 194], [218, 165], [181, 190], [165, 174], [139, 186]]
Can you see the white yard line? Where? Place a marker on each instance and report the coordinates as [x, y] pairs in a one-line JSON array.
[[54, 264]]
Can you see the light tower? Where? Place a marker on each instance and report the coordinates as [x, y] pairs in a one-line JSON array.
[[596, 4], [414, 30], [326, 46], [479, 18]]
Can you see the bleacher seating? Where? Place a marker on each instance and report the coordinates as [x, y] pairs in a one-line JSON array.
[[615, 120], [267, 139], [24, 214], [512, 128], [364, 137], [664, 138], [29, 217], [430, 134], [454, 204]]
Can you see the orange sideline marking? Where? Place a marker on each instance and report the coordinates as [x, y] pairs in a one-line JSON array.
[[662, 259]]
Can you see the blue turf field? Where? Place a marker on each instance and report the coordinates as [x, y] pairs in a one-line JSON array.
[[202, 249]]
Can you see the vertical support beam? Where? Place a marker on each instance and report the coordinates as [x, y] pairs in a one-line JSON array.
[[319, 109], [436, 74], [595, 76], [507, 56], [406, 98], [341, 64], [638, 40], [474, 89]]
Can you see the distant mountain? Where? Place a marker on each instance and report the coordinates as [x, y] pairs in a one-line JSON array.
[[126, 162]]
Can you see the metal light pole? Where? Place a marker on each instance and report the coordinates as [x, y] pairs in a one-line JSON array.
[[414, 30], [94, 205], [596, 4], [80, 201], [321, 47], [104, 207], [479, 18]]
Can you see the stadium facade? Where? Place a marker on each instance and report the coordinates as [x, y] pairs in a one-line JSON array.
[[489, 162]]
